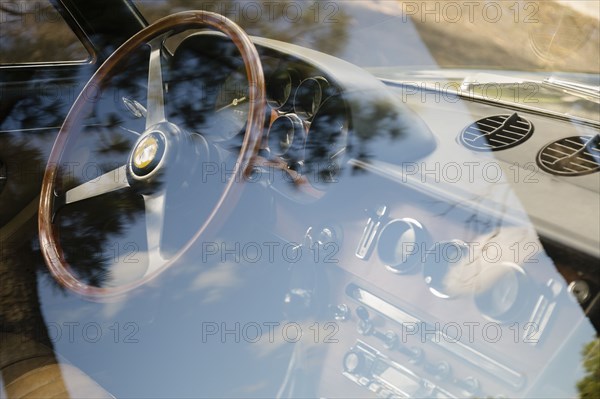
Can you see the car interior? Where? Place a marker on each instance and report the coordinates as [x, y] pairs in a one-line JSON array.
[[197, 205]]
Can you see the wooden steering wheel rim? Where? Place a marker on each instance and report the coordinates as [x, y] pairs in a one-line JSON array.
[[179, 22]]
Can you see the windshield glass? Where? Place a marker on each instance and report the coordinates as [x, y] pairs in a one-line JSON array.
[[507, 52], [361, 200], [507, 35]]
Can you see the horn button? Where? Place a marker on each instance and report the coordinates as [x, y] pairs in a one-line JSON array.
[[148, 155], [165, 149]]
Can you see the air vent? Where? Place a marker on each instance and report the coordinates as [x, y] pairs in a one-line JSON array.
[[496, 133], [571, 156]]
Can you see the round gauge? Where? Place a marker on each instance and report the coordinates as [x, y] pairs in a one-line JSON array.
[[231, 107], [285, 131], [309, 95], [440, 259], [279, 88], [200, 67], [501, 291], [399, 243], [326, 142]]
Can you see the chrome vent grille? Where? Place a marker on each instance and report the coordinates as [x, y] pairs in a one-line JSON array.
[[571, 156], [495, 133]]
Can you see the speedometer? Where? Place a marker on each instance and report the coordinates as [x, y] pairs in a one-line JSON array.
[[231, 107]]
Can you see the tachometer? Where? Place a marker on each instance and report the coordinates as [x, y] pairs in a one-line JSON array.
[[280, 85], [326, 143], [309, 95]]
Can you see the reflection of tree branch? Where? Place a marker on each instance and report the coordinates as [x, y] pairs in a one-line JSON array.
[[85, 231], [326, 37], [589, 386], [20, 311], [474, 221], [500, 219]]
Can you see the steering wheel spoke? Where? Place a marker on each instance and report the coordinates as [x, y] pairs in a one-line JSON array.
[[114, 180], [156, 100], [155, 214]]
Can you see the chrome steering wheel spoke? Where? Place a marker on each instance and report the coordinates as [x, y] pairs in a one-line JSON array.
[[155, 213], [114, 180], [155, 99]]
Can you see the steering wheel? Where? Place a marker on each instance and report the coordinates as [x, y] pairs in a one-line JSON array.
[[156, 148]]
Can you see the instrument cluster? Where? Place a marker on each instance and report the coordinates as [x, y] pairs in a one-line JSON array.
[[308, 126]]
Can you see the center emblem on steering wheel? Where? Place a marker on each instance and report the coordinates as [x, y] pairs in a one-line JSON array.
[[147, 154]]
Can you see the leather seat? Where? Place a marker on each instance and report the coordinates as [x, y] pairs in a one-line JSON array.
[[29, 369]]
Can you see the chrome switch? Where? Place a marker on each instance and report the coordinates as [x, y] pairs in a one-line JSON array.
[[370, 231]]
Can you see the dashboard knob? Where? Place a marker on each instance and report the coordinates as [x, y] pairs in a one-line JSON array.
[[416, 355], [365, 327], [327, 235], [362, 313], [340, 312], [400, 245], [354, 362], [326, 238], [442, 370], [391, 340], [470, 384], [580, 290]]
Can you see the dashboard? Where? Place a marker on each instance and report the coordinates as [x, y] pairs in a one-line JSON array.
[[455, 274]]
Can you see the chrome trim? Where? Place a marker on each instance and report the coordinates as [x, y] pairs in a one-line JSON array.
[[504, 104], [365, 245], [483, 362]]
